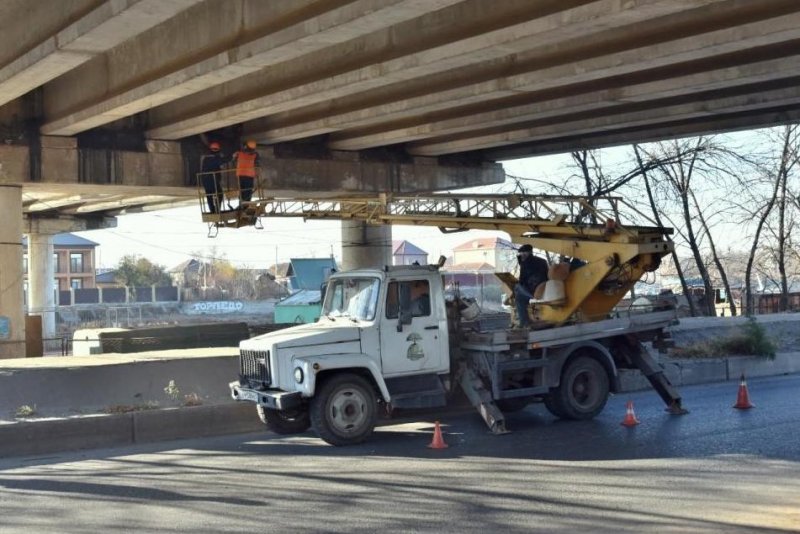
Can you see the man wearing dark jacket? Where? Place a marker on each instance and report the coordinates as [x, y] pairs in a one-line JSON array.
[[532, 272], [210, 166]]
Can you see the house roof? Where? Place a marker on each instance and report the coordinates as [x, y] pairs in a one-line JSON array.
[[67, 240], [406, 248], [184, 265], [280, 270], [304, 297], [485, 243], [310, 273], [106, 277]]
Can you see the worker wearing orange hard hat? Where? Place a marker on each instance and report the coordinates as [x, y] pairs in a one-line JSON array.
[[211, 164], [246, 162]]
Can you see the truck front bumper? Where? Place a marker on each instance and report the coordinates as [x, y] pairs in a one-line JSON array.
[[273, 399]]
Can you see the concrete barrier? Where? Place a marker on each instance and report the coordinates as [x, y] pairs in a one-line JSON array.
[[46, 436], [91, 432], [59, 391], [685, 372], [195, 422]]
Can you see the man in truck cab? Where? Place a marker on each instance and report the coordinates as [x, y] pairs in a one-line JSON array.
[[532, 272], [420, 299]]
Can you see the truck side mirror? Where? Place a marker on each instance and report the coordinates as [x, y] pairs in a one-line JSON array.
[[404, 317]]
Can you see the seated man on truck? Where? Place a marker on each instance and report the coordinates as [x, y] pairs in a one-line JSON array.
[[532, 272]]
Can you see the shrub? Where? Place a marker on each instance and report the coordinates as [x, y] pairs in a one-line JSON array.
[[172, 391], [751, 341], [25, 411], [192, 399]]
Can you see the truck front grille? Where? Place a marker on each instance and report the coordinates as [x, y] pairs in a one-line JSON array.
[[254, 367]]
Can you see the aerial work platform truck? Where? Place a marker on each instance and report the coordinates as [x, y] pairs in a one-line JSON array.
[[393, 338]]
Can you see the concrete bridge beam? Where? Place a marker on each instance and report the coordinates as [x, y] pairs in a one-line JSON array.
[[201, 33], [537, 26], [101, 29]]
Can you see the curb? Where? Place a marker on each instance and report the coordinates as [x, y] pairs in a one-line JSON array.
[[687, 372], [92, 432]]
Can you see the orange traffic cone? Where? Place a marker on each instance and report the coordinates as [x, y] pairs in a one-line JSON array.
[[743, 398], [630, 417], [438, 441]]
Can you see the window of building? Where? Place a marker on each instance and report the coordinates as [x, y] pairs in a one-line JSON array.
[[76, 262], [25, 263], [57, 284], [56, 266], [75, 283]]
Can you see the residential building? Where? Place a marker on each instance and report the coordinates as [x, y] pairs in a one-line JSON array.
[[187, 273], [73, 259], [305, 278], [495, 251], [107, 279], [309, 273], [407, 253]]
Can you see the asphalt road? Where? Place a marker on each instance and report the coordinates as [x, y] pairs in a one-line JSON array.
[[714, 470]]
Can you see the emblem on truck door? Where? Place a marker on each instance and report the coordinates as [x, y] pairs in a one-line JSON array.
[[415, 352]]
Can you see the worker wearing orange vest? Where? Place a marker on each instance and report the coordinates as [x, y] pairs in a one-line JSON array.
[[246, 163]]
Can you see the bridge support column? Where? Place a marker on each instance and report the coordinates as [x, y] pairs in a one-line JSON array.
[[12, 315], [41, 285], [365, 245]]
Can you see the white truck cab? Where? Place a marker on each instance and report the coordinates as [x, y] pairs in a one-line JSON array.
[[377, 328]]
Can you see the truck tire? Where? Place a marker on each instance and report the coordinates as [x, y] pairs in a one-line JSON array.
[[583, 391], [551, 403], [344, 410], [285, 422]]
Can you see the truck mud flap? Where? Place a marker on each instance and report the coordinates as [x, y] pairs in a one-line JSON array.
[[653, 372], [481, 399]]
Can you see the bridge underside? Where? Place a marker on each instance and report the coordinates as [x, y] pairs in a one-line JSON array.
[[462, 81], [106, 105]]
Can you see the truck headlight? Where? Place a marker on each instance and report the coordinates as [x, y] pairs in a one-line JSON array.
[[298, 375]]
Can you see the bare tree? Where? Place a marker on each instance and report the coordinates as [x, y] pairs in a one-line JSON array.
[[700, 157], [657, 217], [777, 172], [715, 257]]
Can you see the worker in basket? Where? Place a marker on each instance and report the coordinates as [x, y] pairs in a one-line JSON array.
[[211, 164], [246, 162]]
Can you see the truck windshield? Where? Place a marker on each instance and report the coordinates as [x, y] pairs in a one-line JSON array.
[[356, 298]]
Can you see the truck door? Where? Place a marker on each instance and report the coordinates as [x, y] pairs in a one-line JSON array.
[[413, 331]]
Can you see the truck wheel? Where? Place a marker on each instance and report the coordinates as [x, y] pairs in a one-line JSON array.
[[344, 410], [285, 421], [551, 403], [583, 391]]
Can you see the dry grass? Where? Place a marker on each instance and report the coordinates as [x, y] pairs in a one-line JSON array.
[[752, 341]]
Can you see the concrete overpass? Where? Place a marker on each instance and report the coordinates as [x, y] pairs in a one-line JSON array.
[[103, 102]]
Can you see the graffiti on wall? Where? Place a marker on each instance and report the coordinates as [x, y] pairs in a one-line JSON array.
[[220, 306]]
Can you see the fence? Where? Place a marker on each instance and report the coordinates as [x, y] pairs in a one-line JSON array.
[[118, 295]]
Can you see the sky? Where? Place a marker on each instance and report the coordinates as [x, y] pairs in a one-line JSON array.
[[169, 237]]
